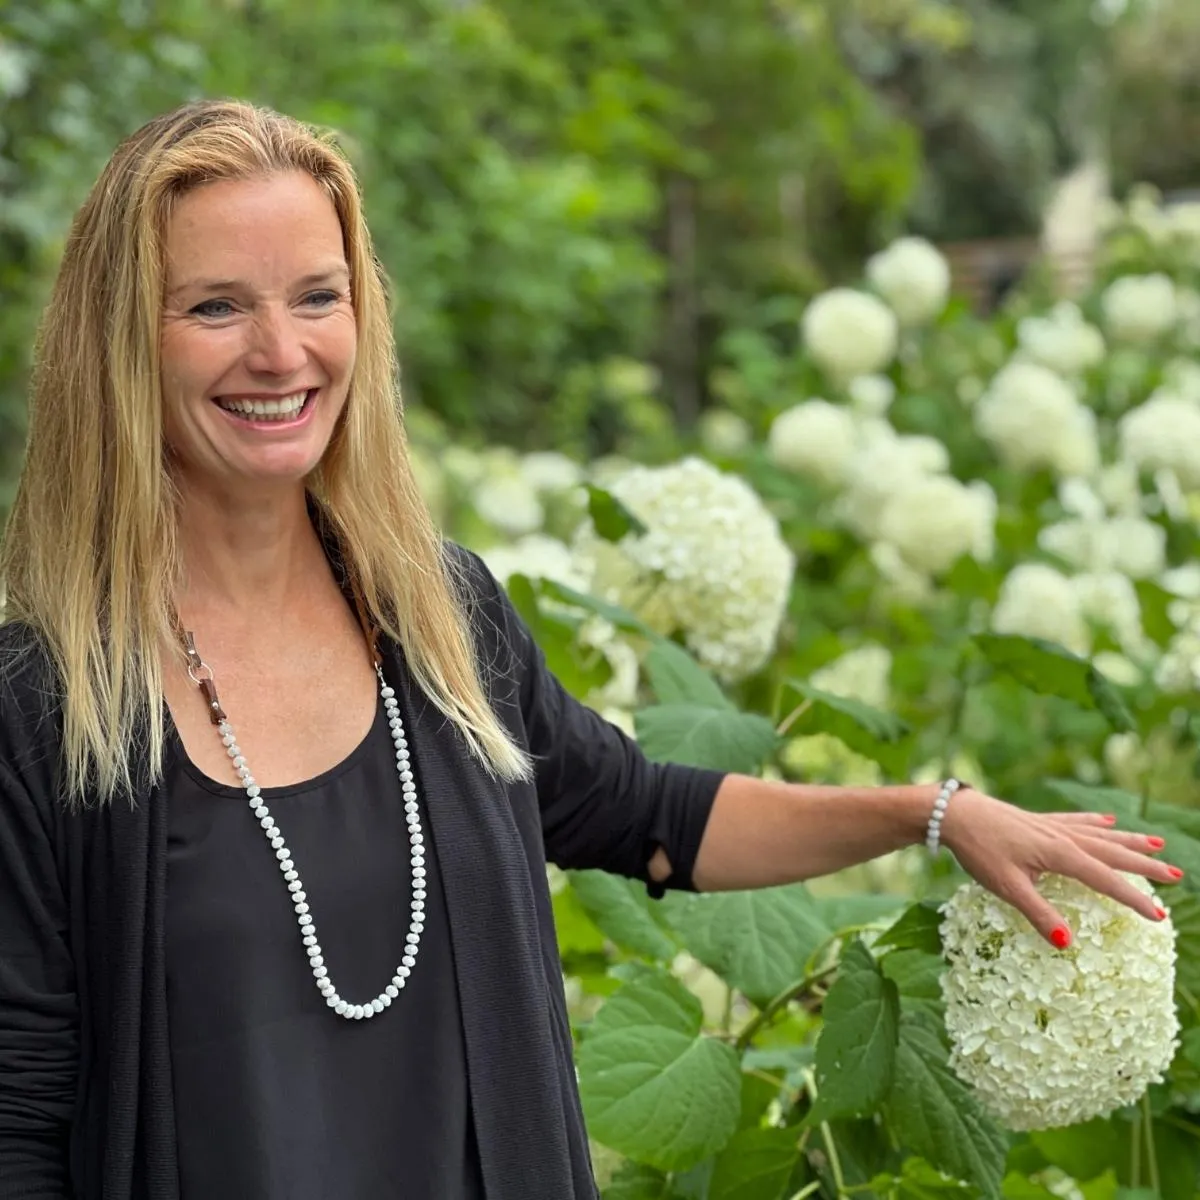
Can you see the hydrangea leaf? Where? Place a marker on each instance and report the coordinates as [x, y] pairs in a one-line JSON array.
[[1083, 1150], [677, 678], [621, 910], [757, 941], [757, 1164], [559, 641], [920, 1181], [1182, 849], [699, 736], [856, 1052], [1052, 670], [653, 1087], [610, 518], [935, 1115], [877, 735], [1018, 1187], [1185, 916], [919, 928], [636, 1181], [842, 912], [622, 618]]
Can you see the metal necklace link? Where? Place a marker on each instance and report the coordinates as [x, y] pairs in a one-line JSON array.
[[202, 675]]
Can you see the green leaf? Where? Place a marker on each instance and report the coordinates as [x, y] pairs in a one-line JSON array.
[[621, 909], [620, 617], [1017, 1187], [845, 912], [1083, 1151], [919, 928], [1190, 1045], [653, 1088], [757, 941], [1185, 916], [574, 929], [699, 736], [636, 1181], [559, 642], [920, 1181], [759, 1092], [856, 1052], [677, 678], [1051, 670], [919, 978], [756, 1165], [936, 1116], [612, 519], [867, 731]]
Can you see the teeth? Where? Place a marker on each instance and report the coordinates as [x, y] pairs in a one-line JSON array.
[[268, 410]]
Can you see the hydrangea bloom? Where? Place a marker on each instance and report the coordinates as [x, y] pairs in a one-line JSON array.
[[711, 564], [550, 471], [509, 503], [862, 674], [871, 395], [1132, 545], [913, 276], [849, 333], [1164, 433], [1140, 308], [814, 438], [886, 464], [1031, 417], [1037, 601], [1047, 1037], [723, 432], [933, 520], [1062, 340]]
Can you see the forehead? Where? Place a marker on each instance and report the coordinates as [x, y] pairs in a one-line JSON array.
[[253, 228]]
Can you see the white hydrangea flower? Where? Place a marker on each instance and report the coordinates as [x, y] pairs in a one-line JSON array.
[[814, 438], [712, 564], [885, 465], [849, 333], [1109, 598], [1131, 545], [1163, 433], [1050, 1037], [913, 276], [1139, 308], [723, 433], [862, 674], [1032, 418], [871, 395], [1080, 499], [508, 503], [537, 556], [1117, 668], [1118, 486], [934, 520], [1037, 601], [1062, 340], [550, 471]]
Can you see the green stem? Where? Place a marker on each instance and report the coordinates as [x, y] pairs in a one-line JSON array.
[[1135, 1155], [807, 1190], [793, 717], [727, 1015], [835, 1163], [767, 1015], [1151, 1152]]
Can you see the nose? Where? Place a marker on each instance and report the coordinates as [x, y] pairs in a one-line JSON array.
[[276, 347]]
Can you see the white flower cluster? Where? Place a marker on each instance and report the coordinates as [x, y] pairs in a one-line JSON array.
[[1133, 546], [1046, 1037], [862, 674], [711, 565], [913, 276], [1139, 308], [849, 333], [814, 438], [1164, 434], [1032, 419], [1061, 340], [1037, 600]]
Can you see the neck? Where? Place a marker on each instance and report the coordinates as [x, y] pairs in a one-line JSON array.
[[246, 558]]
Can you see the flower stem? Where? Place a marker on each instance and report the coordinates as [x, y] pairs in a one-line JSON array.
[[835, 1163], [807, 1190], [793, 717], [1151, 1152], [768, 1014], [1135, 1155]]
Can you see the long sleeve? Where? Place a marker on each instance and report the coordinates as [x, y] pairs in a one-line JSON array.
[[38, 1011], [603, 803]]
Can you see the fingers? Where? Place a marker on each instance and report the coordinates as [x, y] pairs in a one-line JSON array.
[[1102, 878], [1128, 853], [1043, 916]]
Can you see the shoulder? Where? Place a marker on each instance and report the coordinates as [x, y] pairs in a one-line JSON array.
[[502, 640]]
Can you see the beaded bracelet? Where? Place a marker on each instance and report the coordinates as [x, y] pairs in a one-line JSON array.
[[934, 833]]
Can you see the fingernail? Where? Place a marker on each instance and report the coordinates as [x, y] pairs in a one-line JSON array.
[[1109, 819], [1060, 935], [1161, 913], [1155, 843], [1175, 872]]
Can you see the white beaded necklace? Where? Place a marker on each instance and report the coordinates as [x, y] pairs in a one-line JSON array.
[[202, 675]]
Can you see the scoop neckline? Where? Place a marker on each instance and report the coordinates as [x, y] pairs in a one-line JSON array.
[[281, 791]]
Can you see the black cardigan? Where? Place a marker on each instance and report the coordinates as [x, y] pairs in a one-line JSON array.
[[85, 1072]]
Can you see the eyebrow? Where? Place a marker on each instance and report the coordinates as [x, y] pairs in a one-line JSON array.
[[338, 272]]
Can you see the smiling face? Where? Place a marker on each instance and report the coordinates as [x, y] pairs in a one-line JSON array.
[[258, 332]]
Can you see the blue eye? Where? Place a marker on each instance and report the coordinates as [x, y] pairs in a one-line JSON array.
[[321, 299], [212, 308]]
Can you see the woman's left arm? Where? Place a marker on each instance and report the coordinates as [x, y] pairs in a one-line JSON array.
[[760, 834]]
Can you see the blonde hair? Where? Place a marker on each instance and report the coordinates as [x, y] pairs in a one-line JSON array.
[[90, 558]]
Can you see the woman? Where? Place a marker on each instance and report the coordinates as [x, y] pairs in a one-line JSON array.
[[230, 622]]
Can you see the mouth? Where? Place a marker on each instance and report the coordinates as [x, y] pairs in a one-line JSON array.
[[273, 413]]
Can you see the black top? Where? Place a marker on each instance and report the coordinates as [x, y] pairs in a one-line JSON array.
[[276, 1096], [86, 1095]]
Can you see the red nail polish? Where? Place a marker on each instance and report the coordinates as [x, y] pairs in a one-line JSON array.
[[1161, 913], [1155, 843], [1061, 936], [1175, 872], [1109, 819]]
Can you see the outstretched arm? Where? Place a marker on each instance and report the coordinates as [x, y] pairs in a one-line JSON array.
[[760, 834]]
